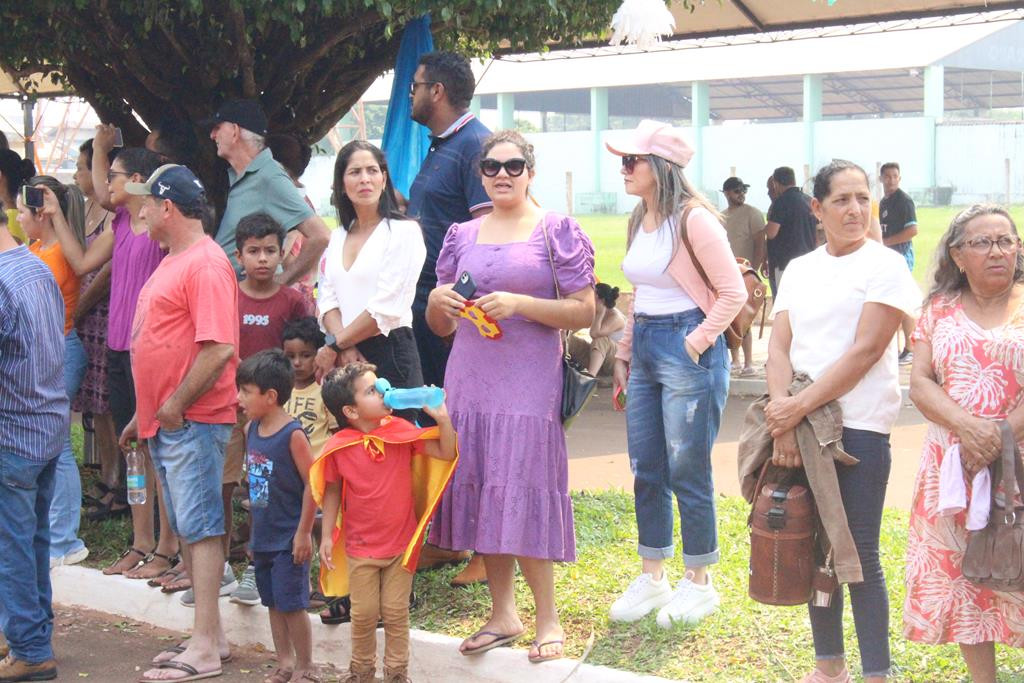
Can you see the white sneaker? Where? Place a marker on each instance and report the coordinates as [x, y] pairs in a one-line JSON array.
[[690, 602], [643, 596], [73, 557]]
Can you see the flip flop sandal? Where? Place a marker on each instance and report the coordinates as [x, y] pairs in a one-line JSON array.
[[337, 610], [153, 556], [500, 639], [110, 571], [178, 649], [541, 658], [193, 674], [182, 583], [318, 600], [174, 572]]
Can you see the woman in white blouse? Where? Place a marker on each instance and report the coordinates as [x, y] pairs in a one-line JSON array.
[[368, 273]]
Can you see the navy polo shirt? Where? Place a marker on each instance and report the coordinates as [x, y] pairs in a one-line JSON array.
[[447, 190], [797, 228], [896, 213]]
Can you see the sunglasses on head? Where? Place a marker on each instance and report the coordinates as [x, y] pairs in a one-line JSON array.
[[491, 167], [629, 161]]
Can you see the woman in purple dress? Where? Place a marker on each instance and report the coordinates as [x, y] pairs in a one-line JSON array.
[[509, 499]]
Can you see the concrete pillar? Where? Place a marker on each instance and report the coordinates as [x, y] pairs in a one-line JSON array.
[[28, 121], [598, 123], [934, 91], [700, 116], [506, 110], [474, 106], [812, 114]]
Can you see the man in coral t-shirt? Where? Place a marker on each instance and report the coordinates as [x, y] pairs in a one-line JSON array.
[[184, 352]]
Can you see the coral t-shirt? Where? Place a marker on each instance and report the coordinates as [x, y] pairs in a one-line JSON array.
[[191, 298], [378, 512], [65, 276]]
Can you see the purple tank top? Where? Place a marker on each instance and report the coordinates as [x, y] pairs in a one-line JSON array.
[[135, 258]]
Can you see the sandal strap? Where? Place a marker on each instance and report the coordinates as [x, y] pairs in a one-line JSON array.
[[135, 550], [170, 559]]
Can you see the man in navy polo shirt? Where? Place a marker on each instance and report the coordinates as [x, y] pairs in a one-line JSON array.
[[791, 229], [446, 190], [33, 424], [898, 217]]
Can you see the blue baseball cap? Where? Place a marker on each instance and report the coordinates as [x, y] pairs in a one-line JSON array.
[[170, 181]]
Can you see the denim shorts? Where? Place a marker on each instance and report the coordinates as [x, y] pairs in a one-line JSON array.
[[190, 464], [283, 585]]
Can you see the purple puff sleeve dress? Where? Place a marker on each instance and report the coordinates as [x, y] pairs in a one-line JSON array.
[[510, 492]]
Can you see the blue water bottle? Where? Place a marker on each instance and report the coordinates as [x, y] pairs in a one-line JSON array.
[[416, 397]]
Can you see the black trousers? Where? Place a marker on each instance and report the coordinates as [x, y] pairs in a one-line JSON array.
[[397, 361]]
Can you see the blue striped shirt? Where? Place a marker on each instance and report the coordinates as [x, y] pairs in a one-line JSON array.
[[33, 402]]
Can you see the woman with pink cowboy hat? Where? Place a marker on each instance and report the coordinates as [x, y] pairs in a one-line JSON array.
[[674, 365]]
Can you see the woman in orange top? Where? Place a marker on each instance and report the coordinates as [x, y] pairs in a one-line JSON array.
[[65, 510]]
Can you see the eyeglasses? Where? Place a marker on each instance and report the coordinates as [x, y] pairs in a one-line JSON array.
[[983, 245], [111, 174], [491, 167], [412, 86], [629, 161]]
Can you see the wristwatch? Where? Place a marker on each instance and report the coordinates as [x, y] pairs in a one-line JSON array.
[[331, 341]]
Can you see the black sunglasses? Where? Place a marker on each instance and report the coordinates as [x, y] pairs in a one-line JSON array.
[[491, 167], [629, 161]]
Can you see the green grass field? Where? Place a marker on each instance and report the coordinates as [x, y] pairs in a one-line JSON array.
[[608, 232]]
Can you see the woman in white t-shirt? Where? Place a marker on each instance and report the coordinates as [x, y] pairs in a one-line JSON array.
[[368, 273], [836, 317]]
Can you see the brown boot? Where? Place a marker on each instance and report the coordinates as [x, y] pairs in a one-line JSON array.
[[396, 676], [368, 676], [432, 557], [474, 572], [13, 670]]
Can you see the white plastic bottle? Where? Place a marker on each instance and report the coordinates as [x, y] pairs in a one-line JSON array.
[[136, 476]]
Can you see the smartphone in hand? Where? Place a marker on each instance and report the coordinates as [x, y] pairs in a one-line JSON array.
[[465, 286], [118, 138], [619, 400], [32, 197]]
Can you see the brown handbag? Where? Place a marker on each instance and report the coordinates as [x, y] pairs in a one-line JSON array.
[[783, 523], [995, 555], [756, 291]]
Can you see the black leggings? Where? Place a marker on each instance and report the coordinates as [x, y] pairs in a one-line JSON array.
[[397, 361]]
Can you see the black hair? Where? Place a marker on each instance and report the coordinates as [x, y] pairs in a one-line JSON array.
[[607, 294], [454, 73], [387, 207], [4, 144], [16, 170], [291, 152], [784, 175], [887, 165], [86, 149], [823, 179], [339, 388], [139, 160], [268, 369], [307, 329], [176, 140], [256, 226]]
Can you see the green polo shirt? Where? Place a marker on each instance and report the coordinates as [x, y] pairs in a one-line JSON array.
[[263, 187]]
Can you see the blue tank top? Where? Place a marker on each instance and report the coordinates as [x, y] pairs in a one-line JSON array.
[[275, 488]]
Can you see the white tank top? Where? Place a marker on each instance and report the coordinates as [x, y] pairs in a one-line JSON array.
[[655, 291]]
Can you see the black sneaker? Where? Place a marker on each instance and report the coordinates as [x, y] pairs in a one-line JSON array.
[[907, 357]]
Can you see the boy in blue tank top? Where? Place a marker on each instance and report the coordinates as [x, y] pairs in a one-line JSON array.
[[279, 458]]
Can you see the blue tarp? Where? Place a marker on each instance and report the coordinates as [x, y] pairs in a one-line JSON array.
[[406, 142]]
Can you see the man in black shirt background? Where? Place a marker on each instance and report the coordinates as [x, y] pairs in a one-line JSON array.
[[791, 227], [898, 217]]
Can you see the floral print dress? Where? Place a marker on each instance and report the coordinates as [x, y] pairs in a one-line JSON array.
[[983, 371]]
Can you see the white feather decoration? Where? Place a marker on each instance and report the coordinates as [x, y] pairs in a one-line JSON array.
[[641, 23]]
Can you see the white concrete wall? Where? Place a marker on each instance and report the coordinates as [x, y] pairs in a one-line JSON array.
[[972, 158]]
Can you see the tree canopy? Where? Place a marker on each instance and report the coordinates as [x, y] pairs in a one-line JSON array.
[[308, 61]]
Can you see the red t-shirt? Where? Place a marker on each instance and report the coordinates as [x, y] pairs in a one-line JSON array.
[[192, 297], [378, 511], [261, 321]]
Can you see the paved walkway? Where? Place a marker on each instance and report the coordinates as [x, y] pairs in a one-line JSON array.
[[597, 441]]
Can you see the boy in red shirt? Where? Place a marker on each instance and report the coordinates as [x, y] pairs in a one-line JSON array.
[[371, 465]]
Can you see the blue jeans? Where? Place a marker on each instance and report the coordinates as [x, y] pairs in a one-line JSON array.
[[189, 463], [672, 418], [862, 488], [26, 614], [66, 508]]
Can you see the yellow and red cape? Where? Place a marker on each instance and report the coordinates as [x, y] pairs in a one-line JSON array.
[[430, 477]]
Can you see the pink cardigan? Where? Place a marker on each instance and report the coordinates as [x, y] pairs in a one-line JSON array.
[[721, 306]]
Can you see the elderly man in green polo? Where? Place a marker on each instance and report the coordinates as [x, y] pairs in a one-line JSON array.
[[259, 184]]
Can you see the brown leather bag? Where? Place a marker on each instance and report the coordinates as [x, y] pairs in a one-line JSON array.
[[995, 555], [783, 523], [756, 291]]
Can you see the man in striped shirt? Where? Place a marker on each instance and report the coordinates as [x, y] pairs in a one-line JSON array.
[[33, 424]]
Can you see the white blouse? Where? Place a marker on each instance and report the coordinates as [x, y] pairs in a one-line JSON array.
[[382, 279]]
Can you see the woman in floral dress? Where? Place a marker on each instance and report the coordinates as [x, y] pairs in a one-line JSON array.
[[968, 375]]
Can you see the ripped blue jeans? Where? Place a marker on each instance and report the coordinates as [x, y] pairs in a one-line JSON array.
[[673, 412]]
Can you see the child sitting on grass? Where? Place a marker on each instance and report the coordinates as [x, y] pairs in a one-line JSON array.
[[278, 458], [380, 523]]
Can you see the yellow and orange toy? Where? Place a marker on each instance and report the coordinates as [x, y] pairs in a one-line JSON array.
[[485, 324]]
